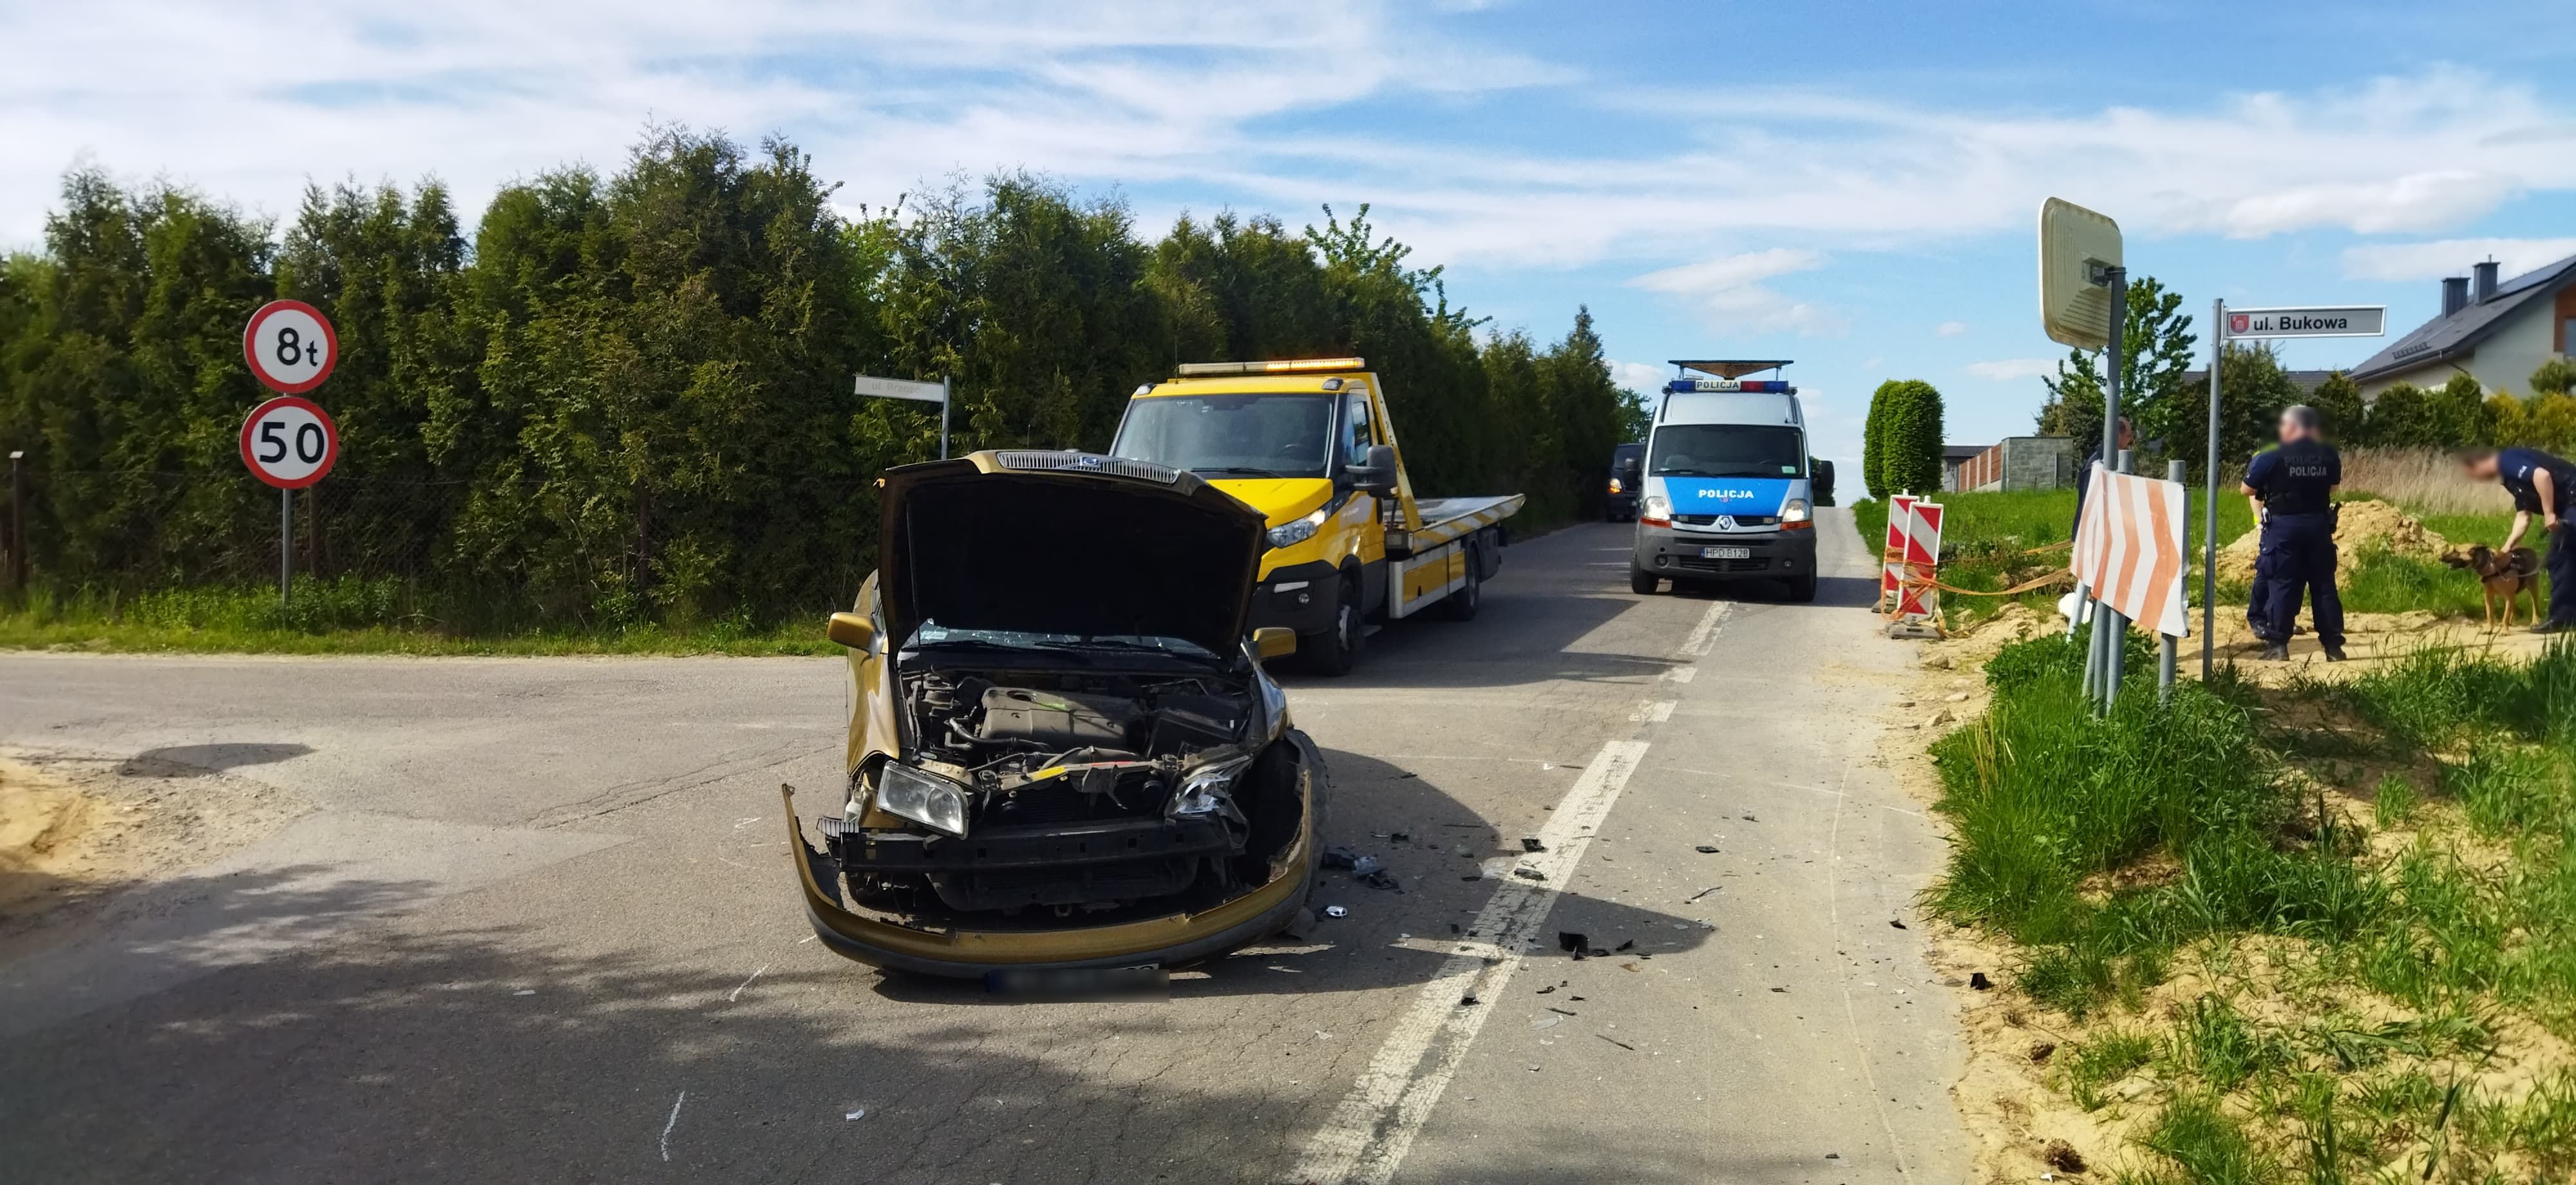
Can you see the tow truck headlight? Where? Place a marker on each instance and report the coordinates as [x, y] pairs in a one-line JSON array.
[[925, 798], [1793, 511], [1292, 533], [1203, 790]]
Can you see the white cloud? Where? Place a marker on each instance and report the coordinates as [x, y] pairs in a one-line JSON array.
[[2451, 257], [1639, 376], [1727, 290], [2010, 369], [1951, 328]]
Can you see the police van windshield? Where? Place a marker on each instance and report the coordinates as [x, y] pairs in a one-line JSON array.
[[1285, 435], [1728, 450]]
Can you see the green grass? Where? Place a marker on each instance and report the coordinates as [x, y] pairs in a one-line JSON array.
[[1986, 540], [2201, 811], [350, 616]]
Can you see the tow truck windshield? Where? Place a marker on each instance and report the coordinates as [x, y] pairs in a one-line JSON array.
[[1727, 450], [1287, 435]]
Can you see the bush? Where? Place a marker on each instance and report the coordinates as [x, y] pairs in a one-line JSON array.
[[1905, 430]]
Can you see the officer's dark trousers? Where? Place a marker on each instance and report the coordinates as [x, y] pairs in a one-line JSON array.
[[2299, 556], [2562, 573]]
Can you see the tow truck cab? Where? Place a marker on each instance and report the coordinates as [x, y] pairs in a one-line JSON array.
[[1726, 482], [1309, 444]]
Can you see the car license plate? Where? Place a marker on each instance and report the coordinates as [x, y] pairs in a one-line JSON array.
[[1726, 553]]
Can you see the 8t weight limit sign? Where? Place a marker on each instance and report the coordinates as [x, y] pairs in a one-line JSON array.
[[290, 346]]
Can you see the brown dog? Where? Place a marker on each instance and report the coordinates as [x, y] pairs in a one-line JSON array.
[[2505, 574]]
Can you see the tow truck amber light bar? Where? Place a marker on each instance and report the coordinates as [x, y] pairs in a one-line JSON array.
[[1291, 366]]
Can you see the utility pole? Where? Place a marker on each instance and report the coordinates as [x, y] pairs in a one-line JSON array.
[[2209, 499]]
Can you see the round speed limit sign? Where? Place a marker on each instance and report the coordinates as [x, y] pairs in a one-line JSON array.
[[289, 442], [290, 346]]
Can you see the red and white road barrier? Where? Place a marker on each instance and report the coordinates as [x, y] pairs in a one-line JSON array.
[[1911, 562]]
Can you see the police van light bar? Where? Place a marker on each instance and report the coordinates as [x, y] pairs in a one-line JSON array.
[[1747, 386], [1292, 366]]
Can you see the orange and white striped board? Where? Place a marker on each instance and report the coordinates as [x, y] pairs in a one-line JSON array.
[[2129, 549]]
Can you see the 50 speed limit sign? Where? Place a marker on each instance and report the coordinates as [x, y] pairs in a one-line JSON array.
[[290, 346], [289, 442]]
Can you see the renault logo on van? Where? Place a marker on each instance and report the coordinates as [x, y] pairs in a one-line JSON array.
[[1726, 522]]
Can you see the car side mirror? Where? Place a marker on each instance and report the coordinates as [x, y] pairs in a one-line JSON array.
[[851, 630], [1378, 476], [1274, 641]]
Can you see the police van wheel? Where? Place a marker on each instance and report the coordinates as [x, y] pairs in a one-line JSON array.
[[1802, 588], [1336, 650], [1642, 582]]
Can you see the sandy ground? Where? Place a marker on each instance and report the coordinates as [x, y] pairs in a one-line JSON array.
[[75, 832], [2022, 1122]]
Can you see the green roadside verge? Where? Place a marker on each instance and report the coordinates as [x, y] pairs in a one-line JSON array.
[[2315, 932]]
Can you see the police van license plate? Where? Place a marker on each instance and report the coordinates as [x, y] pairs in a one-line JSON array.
[[1726, 553]]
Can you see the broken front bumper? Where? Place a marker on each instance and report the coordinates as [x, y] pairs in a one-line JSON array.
[[968, 953]]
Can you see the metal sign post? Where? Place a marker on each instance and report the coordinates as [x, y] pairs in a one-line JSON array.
[[289, 442], [2110, 630], [938, 392], [2225, 325]]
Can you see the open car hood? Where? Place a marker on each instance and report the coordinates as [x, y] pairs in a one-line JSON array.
[[1066, 543]]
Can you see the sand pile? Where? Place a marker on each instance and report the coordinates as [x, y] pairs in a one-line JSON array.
[[2364, 525]]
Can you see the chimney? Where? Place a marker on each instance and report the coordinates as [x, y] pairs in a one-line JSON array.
[[2486, 284], [2455, 294]]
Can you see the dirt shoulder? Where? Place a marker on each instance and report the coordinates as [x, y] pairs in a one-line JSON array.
[[78, 833]]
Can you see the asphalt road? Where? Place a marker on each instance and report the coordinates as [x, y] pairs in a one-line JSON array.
[[540, 925]]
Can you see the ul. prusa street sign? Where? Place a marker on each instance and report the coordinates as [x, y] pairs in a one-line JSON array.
[[2321, 321]]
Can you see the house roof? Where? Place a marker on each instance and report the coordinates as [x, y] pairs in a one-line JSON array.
[[2444, 338]]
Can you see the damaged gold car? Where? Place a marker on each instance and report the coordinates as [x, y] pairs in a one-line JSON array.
[[1063, 751]]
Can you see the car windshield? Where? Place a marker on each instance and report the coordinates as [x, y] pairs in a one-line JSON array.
[[1231, 435], [1728, 450], [932, 633]]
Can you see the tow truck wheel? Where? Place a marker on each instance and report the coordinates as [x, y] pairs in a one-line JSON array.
[[1462, 604], [1641, 581], [1335, 651]]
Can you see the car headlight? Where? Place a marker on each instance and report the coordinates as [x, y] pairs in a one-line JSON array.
[[1793, 511], [1291, 534], [1204, 790], [1615, 487], [925, 798], [1656, 507]]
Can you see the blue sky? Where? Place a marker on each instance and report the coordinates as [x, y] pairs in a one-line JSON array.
[[1850, 185]]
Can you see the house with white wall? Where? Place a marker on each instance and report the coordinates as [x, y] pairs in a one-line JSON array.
[[2498, 332]]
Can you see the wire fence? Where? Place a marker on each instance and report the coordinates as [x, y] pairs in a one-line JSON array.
[[457, 554]]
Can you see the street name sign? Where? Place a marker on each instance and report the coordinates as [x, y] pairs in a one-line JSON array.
[[2324, 321], [902, 389]]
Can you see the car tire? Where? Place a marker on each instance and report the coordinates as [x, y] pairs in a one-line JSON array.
[[1462, 604], [1802, 588], [1641, 581], [1337, 650]]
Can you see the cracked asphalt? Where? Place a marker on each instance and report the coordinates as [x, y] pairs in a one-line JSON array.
[[538, 924]]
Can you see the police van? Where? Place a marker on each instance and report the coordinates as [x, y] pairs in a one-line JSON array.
[[1726, 493]]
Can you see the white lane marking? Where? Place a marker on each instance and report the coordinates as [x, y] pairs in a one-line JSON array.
[[1370, 1131], [1655, 713], [1705, 633], [737, 988], [1681, 674], [672, 1123]]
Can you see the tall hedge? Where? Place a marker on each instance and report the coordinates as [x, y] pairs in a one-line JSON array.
[[626, 396], [1905, 430]]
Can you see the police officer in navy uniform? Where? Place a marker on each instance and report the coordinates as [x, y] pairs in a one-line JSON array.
[[2296, 485], [2544, 485]]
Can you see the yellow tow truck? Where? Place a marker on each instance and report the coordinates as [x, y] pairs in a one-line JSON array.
[[1308, 443]]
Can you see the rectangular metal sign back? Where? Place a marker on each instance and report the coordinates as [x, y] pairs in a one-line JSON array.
[[2324, 321]]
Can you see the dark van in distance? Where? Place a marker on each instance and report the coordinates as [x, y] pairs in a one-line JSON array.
[[1627, 476]]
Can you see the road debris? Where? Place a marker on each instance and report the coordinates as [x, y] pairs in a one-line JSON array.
[[1468, 1001], [1751, 819], [1559, 1011], [1569, 940], [1978, 980], [861, 1113], [525, 992], [1547, 1022], [1783, 991], [2063, 1157], [1336, 911], [1630, 944], [1706, 849], [1694, 897], [1365, 865], [1615, 1041], [1400, 837], [1530, 843], [2040, 1053], [1379, 878], [1341, 856], [1897, 923], [736, 994], [672, 1122], [1529, 874]]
